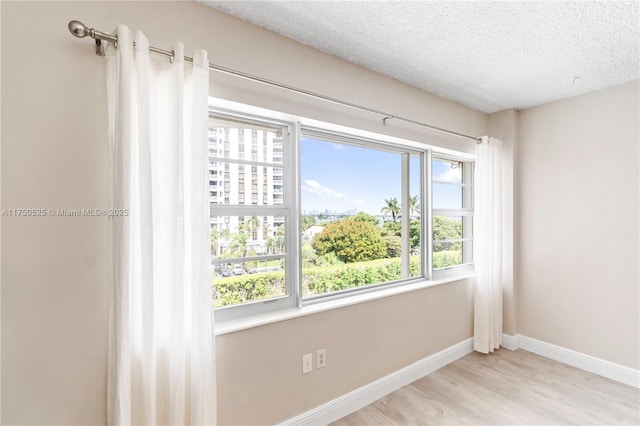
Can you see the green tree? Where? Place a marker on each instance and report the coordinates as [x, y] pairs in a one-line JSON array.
[[392, 208], [239, 240], [279, 238], [414, 233], [350, 240], [328, 259], [414, 204], [218, 237], [395, 229], [272, 244], [392, 228], [393, 245], [445, 228], [253, 224], [215, 237], [363, 217], [265, 230], [308, 221]]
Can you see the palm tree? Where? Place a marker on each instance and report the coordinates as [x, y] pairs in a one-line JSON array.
[[252, 225], [215, 236], [276, 242], [271, 245], [279, 237], [239, 241], [218, 239], [414, 204], [392, 208], [266, 228]]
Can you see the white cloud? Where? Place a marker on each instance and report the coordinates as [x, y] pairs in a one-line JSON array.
[[449, 175], [315, 187]]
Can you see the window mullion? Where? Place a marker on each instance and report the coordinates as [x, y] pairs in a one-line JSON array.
[[427, 215], [467, 203], [294, 257], [406, 216]]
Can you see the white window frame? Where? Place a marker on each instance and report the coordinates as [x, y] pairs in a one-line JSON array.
[[466, 212], [288, 210], [406, 150], [295, 126]]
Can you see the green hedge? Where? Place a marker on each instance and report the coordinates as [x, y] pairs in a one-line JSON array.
[[247, 288], [442, 259], [316, 280], [321, 279], [327, 279]]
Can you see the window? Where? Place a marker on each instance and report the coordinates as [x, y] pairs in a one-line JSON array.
[[315, 212], [356, 229], [452, 212], [251, 225]]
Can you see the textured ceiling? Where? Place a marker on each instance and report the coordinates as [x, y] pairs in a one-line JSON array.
[[487, 55]]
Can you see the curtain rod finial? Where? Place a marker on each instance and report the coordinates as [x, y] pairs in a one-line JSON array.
[[79, 29]]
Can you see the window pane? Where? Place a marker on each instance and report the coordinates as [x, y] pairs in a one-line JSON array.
[[447, 171], [449, 254], [453, 191], [236, 237], [447, 196], [242, 282], [232, 140], [242, 236], [446, 228], [351, 219], [239, 184], [449, 249]]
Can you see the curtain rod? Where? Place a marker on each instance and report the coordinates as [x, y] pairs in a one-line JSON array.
[[80, 30]]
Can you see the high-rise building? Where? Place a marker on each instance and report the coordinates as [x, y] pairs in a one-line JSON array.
[[245, 168]]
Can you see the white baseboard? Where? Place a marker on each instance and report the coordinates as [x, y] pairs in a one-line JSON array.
[[608, 369], [510, 342], [361, 397]]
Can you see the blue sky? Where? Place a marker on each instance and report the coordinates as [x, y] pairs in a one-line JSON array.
[[339, 177]]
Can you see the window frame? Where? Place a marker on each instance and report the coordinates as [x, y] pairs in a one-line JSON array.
[[466, 213], [290, 199], [296, 126], [405, 150]]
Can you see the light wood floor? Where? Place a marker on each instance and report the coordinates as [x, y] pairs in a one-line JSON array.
[[506, 387]]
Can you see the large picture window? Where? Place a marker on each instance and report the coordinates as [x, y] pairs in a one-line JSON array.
[[301, 214], [357, 231]]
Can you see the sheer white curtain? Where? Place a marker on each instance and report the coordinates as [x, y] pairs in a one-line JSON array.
[[161, 345], [487, 334]]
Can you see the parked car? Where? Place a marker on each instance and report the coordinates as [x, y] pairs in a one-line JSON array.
[[238, 269]]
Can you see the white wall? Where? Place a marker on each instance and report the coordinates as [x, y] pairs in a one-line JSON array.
[[577, 189], [54, 270]]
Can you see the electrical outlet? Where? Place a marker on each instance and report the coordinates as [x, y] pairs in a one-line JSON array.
[[307, 363], [321, 358]]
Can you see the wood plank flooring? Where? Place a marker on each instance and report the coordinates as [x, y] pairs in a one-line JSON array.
[[508, 388]]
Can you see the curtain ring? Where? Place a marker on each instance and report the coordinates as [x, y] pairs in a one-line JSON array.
[[99, 50], [479, 141], [173, 56]]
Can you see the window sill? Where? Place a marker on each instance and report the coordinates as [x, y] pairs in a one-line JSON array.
[[273, 317]]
